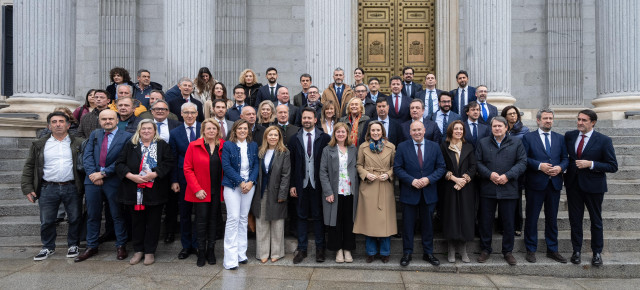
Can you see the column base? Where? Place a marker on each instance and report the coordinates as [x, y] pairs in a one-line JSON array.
[[565, 113], [22, 127], [613, 108], [500, 100]]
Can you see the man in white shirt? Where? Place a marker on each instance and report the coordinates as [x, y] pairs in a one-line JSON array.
[[429, 95]]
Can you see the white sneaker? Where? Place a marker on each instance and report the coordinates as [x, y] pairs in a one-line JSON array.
[[44, 254], [73, 252]]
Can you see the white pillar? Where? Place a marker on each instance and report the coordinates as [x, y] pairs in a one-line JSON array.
[[118, 38], [44, 56], [189, 36], [618, 58], [447, 43], [488, 48], [330, 39], [231, 41]]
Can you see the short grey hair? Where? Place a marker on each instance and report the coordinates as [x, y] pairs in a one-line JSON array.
[[125, 85], [247, 108], [184, 79], [499, 119], [159, 101], [545, 110], [338, 69], [140, 71], [186, 106], [417, 101]]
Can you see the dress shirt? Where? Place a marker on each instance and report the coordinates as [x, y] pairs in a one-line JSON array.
[[385, 122], [415, 147], [304, 139], [267, 159], [110, 137], [244, 159], [374, 98], [440, 118], [463, 98], [587, 136], [542, 138], [58, 160], [164, 132], [434, 104], [186, 129], [494, 138], [486, 106], [393, 100]]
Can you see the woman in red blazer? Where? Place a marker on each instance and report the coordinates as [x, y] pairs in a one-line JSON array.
[[203, 172]]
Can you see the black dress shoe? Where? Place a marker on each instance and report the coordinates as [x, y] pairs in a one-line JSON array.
[[404, 261], [244, 262], [170, 238], [575, 258], [185, 253], [557, 257], [597, 260], [211, 256], [320, 256], [300, 255], [370, 259], [106, 238], [531, 257], [431, 259]]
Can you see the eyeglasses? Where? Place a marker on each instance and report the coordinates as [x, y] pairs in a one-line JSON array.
[[160, 109], [313, 93]]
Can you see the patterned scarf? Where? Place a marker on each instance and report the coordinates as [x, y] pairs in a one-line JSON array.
[[376, 146], [354, 129], [149, 161]]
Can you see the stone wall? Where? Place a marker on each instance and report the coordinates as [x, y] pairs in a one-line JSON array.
[[151, 41], [87, 47]]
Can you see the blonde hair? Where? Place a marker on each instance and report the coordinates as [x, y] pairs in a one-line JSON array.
[[334, 141], [265, 144], [136, 137], [273, 112], [243, 73], [361, 106], [215, 124]]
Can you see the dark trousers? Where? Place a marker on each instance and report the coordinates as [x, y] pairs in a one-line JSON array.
[[410, 213], [577, 200], [310, 205], [550, 198], [188, 236], [341, 236], [171, 213], [292, 212], [517, 218], [207, 222], [145, 228], [507, 210], [51, 196]]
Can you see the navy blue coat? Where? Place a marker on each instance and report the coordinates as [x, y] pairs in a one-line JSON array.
[[536, 154], [431, 131], [492, 110], [176, 105], [599, 149], [298, 161], [406, 168], [179, 143], [483, 131], [415, 88], [265, 94], [231, 164], [509, 159], [471, 95], [91, 156], [404, 113]]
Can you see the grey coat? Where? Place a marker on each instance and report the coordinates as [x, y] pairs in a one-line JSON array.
[[329, 172], [509, 159], [277, 188]]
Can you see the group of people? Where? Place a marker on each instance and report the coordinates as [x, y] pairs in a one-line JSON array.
[[329, 158]]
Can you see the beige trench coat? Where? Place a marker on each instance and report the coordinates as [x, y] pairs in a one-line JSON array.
[[376, 214]]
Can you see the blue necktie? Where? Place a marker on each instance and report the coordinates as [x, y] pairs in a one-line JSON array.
[[159, 124], [430, 103], [484, 112], [339, 95], [474, 132], [444, 124], [192, 136], [547, 144]]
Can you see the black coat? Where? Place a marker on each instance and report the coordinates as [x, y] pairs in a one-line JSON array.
[[298, 164], [509, 159], [129, 161], [458, 206]]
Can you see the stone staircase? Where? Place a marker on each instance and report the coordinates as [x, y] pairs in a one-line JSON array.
[[19, 224]]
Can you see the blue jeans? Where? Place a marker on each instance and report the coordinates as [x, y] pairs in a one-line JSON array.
[[51, 195], [93, 197], [372, 246]]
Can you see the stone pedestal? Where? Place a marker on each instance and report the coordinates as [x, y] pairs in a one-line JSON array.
[[44, 57], [487, 48], [618, 58]]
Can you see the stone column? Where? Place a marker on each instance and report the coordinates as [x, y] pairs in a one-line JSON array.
[[330, 39], [231, 41], [44, 56], [618, 58], [487, 47], [118, 38], [189, 35], [447, 43]]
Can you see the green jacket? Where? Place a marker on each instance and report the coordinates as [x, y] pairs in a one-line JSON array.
[[34, 166]]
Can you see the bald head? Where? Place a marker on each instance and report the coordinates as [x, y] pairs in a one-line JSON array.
[[108, 120], [282, 113]]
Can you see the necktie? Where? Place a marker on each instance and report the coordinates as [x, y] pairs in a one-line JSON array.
[[384, 124], [309, 144], [462, 102], [396, 105], [192, 135], [159, 124], [580, 147], [339, 94], [284, 128], [419, 154], [444, 123], [103, 150], [272, 92], [430, 103], [485, 114], [239, 108], [224, 132], [408, 86], [474, 132], [547, 144]]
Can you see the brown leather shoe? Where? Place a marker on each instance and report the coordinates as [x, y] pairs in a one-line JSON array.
[[88, 253], [531, 257], [121, 252], [511, 260], [385, 259], [557, 257], [370, 259], [484, 256]]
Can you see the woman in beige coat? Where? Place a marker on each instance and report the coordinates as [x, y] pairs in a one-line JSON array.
[[376, 213]]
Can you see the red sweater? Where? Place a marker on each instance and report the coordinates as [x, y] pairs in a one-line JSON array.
[[197, 173]]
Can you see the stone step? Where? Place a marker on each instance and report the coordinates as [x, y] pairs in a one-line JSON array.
[[623, 187], [625, 140], [12, 142], [9, 191], [630, 150], [613, 221], [628, 160], [11, 164], [609, 131], [10, 176], [14, 153], [612, 203], [626, 173]]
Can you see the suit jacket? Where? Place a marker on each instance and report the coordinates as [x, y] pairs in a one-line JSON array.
[[422, 95], [536, 154], [330, 177], [91, 156], [176, 105], [404, 113], [415, 88], [370, 108], [599, 149], [290, 132], [227, 127], [431, 131], [471, 95], [179, 144], [171, 123], [298, 163], [264, 93], [172, 94], [295, 114], [492, 110], [406, 168], [483, 131], [233, 114], [394, 134], [299, 100], [453, 116], [257, 134]]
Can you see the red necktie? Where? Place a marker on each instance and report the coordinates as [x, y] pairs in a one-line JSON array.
[[396, 105], [103, 149], [419, 154], [224, 132], [580, 147]]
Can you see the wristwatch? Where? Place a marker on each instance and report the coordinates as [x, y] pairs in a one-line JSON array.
[[104, 174]]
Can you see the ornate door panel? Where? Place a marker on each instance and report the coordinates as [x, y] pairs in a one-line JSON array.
[[393, 34]]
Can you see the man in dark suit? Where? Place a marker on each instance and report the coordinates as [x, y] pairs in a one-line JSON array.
[[409, 88], [463, 94], [444, 116], [300, 99], [181, 136], [501, 160], [419, 165], [398, 103], [257, 131], [591, 155], [234, 112], [287, 129], [283, 99], [431, 131], [306, 150], [543, 182], [429, 95], [473, 128], [369, 105], [391, 127], [219, 112], [175, 106], [270, 90], [374, 87], [487, 111], [102, 149]]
